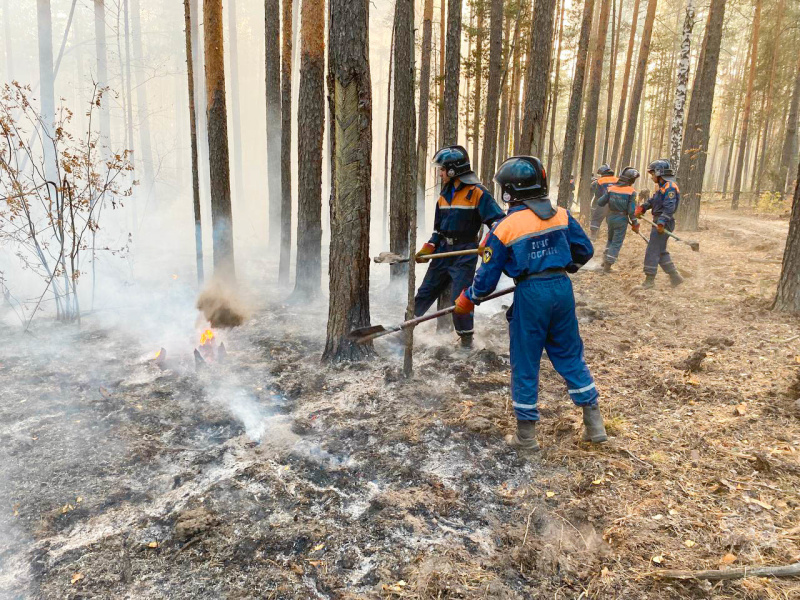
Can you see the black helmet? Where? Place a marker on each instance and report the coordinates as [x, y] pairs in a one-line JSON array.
[[521, 178], [605, 170], [662, 168], [628, 176], [454, 159]]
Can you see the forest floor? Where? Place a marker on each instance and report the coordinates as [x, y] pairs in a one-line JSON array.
[[273, 476]]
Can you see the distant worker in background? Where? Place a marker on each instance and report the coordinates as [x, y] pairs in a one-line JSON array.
[[537, 245], [605, 179], [462, 207], [620, 199], [663, 203]]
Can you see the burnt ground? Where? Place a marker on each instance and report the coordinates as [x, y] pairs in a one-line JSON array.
[[273, 476]]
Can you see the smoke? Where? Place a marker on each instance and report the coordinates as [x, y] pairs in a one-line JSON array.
[[221, 306]]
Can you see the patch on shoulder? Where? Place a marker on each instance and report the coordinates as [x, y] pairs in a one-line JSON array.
[[671, 194], [487, 255]]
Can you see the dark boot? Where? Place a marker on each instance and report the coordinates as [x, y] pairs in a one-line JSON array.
[[525, 437], [675, 278], [466, 340], [606, 267], [594, 430], [649, 282]]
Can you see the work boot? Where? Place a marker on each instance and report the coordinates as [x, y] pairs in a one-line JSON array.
[[594, 431], [525, 437], [649, 282], [606, 267], [675, 278], [466, 341]]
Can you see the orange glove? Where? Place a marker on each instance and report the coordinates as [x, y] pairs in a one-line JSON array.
[[660, 228], [427, 249], [464, 305], [635, 227], [639, 211]]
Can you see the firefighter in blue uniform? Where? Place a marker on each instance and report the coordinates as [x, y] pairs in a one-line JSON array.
[[463, 206], [621, 202], [600, 186], [663, 203], [537, 245]]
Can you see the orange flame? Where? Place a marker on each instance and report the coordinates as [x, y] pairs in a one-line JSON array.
[[206, 337], [157, 354]]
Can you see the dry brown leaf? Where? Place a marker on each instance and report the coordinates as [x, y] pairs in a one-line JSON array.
[[689, 543], [152, 545], [740, 410], [550, 494], [76, 577], [658, 559], [728, 559]]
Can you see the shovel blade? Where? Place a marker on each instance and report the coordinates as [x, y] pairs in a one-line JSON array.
[[358, 335], [389, 258]]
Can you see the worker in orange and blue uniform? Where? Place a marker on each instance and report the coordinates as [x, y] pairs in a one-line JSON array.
[[599, 187], [464, 205], [537, 245], [663, 203], [621, 202]]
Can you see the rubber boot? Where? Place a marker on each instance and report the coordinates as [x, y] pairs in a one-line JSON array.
[[525, 437], [594, 429], [649, 282], [466, 341], [606, 267], [675, 278]]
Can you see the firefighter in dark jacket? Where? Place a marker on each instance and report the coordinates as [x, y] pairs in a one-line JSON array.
[[605, 179], [537, 245], [621, 202], [462, 208], [663, 203]]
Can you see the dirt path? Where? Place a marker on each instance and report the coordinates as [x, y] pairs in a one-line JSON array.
[[272, 476]]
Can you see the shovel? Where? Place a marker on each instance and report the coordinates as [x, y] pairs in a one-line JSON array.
[[695, 246], [363, 335], [389, 258]]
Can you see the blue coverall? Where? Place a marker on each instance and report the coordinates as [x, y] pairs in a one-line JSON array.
[[538, 253], [663, 203], [621, 202], [460, 211], [599, 188]]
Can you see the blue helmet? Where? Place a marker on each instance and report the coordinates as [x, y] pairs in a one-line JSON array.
[[628, 176], [521, 178], [454, 159], [662, 168], [603, 170]]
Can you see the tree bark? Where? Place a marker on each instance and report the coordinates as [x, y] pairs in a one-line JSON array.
[[737, 180], [778, 33], [502, 132], [424, 97], [575, 101], [198, 229], [200, 106], [142, 110], [534, 120], [592, 106], [402, 139], [739, 105], [790, 140], [272, 69], [221, 213], [310, 132], [286, 144], [554, 101], [351, 171], [788, 296], [611, 76], [676, 132], [478, 90], [625, 81], [442, 38], [386, 144], [493, 92], [638, 83], [452, 69]]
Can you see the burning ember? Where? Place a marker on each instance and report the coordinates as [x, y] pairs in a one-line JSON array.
[[207, 337], [208, 352]]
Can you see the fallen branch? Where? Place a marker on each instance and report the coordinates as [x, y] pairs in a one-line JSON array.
[[722, 574]]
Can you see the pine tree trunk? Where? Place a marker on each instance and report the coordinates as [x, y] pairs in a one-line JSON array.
[[442, 40], [761, 125], [102, 69], [47, 84], [286, 143], [788, 297], [575, 101], [221, 214], [351, 169], [676, 132], [198, 52], [142, 109], [592, 105], [554, 101], [638, 83], [452, 68], [386, 143], [737, 180], [236, 113], [310, 132], [402, 139], [534, 120], [493, 92], [739, 107], [772, 70], [611, 77], [424, 97], [478, 89], [129, 85], [691, 169], [198, 228], [625, 81], [790, 140], [272, 69]]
